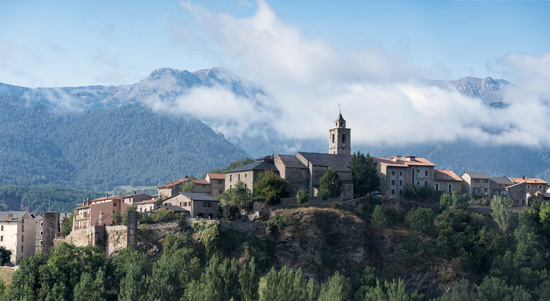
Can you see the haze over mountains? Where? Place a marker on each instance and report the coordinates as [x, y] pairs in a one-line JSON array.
[[142, 134]]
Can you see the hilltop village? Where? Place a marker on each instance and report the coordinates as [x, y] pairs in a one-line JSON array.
[[24, 234]]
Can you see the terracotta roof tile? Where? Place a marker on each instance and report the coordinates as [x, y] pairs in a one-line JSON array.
[[398, 161], [201, 182], [446, 175], [174, 183], [146, 202], [216, 176], [529, 181]]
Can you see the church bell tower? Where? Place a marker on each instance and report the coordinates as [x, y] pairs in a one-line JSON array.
[[340, 138]]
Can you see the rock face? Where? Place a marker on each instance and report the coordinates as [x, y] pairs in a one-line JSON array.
[[319, 241]]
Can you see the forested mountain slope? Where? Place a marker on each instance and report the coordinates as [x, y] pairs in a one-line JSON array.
[[104, 148]]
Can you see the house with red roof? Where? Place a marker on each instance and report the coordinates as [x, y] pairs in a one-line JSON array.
[[447, 181], [397, 172]]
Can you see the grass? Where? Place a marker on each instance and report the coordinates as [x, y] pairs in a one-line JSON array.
[[5, 275]]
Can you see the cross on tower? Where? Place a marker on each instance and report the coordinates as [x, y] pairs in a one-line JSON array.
[[339, 108]]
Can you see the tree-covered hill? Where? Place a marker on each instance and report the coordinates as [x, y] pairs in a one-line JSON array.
[[102, 149]]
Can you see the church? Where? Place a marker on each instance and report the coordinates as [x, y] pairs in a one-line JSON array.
[[303, 170]]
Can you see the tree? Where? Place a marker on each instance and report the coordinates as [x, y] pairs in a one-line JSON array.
[[270, 188], [249, 279], [285, 285], [500, 213], [379, 219], [363, 174], [422, 220], [133, 287], [67, 224], [238, 196], [188, 186], [331, 185], [5, 255], [302, 196], [336, 288], [89, 288]]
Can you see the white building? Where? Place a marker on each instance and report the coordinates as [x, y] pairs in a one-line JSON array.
[[18, 234]]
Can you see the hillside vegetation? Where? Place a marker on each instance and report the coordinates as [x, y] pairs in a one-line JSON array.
[[102, 149]]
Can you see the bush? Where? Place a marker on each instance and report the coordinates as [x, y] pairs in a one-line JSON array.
[[302, 196], [421, 220], [379, 219], [331, 185], [231, 212]]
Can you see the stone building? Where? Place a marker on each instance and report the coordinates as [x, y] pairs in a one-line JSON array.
[[447, 181], [249, 174], [532, 185], [397, 172], [18, 234], [498, 185], [98, 212], [475, 185], [517, 193], [135, 198], [146, 206], [303, 170], [340, 138], [213, 184], [217, 182], [200, 205]]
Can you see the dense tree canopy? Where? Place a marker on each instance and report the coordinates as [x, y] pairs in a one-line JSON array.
[[330, 185], [364, 175], [270, 188]]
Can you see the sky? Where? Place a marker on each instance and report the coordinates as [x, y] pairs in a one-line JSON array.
[[309, 56]]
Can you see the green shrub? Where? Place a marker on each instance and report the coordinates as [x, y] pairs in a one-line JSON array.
[[303, 196]]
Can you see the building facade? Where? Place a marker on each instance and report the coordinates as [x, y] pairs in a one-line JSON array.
[[447, 181], [98, 212], [475, 185], [200, 205], [18, 234], [397, 172]]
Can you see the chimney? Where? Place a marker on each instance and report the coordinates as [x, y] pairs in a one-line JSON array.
[[10, 217], [524, 177]]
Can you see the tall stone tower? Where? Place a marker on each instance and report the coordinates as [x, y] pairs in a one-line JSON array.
[[339, 138]]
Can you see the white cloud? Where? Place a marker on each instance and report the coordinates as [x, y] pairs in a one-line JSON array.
[[306, 78]]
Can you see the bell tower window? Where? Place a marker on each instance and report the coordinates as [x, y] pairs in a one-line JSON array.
[[332, 138], [343, 138]]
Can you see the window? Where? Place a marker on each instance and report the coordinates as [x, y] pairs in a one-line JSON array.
[[1, 238], [41, 233], [2, 228], [22, 238], [437, 187], [417, 183], [333, 137], [426, 173], [528, 186], [400, 191], [22, 228], [540, 186], [230, 186], [220, 181], [476, 180], [40, 242], [41, 224], [393, 172], [401, 182], [245, 186], [22, 249], [206, 204], [400, 173], [230, 178], [485, 181], [450, 188], [393, 182], [245, 175], [393, 192], [418, 171], [485, 189], [343, 138], [239, 177]]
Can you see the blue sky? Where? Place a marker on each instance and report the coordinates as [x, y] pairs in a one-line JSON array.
[[69, 43]]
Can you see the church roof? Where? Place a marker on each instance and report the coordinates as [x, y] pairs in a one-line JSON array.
[[291, 161], [340, 118], [258, 165], [336, 162]]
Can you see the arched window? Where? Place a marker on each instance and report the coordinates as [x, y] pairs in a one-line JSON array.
[[343, 138]]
